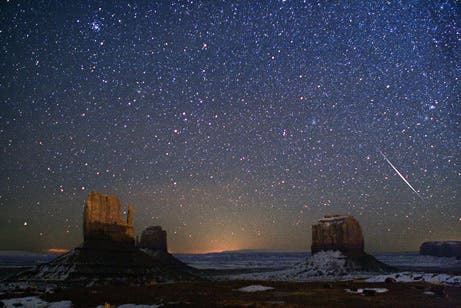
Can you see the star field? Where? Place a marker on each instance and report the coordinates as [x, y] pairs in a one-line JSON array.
[[231, 124]]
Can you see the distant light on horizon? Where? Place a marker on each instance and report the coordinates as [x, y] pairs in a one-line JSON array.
[[57, 250]]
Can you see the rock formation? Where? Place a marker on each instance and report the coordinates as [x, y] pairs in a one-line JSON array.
[[343, 233], [441, 249], [108, 254], [153, 238], [102, 223], [337, 232]]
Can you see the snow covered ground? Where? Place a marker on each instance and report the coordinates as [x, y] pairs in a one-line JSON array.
[[362, 291], [323, 266], [15, 287], [33, 302], [244, 260], [281, 260], [332, 266], [294, 266], [255, 288], [415, 277]]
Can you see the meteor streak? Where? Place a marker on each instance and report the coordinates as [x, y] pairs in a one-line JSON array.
[[401, 176]]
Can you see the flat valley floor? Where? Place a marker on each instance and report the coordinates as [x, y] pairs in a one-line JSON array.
[[283, 294]]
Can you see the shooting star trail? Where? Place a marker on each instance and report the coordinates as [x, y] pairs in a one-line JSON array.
[[401, 176]]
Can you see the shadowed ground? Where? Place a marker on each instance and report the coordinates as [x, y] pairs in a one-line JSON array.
[[287, 294]]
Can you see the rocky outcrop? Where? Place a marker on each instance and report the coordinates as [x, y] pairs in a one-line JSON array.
[[441, 249], [337, 232], [83, 266], [153, 238], [343, 233], [102, 223], [108, 254]]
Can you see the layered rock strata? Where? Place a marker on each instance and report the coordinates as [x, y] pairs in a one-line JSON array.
[[343, 233], [103, 225], [108, 253], [337, 232]]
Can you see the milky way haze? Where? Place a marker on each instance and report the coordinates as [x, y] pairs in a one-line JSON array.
[[233, 125]]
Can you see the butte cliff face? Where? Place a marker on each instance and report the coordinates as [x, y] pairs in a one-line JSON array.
[[153, 238], [108, 253], [102, 222], [338, 232], [343, 233]]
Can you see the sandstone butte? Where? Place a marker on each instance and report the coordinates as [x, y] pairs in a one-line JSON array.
[[102, 222], [337, 232], [343, 233], [153, 238], [441, 249], [103, 226], [109, 253]]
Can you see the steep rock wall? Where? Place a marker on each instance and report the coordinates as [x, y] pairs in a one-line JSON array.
[[337, 232], [102, 221]]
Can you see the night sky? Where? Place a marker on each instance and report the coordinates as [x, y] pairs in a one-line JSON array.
[[231, 124]]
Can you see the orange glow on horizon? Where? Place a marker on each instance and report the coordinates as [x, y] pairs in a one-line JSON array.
[[198, 252], [57, 250], [204, 251]]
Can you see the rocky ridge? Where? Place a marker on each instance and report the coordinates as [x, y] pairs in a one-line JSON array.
[[108, 254]]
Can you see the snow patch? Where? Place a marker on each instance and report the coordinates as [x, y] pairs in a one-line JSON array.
[[322, 266], [255, 288], [19, 287], [361, 291], [33, 302], [333, 266], [55, 272], [434, 278]]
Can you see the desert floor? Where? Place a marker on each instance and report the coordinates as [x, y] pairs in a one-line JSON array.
[[284, 294]]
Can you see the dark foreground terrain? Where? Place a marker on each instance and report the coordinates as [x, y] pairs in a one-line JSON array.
[[284, 294]]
